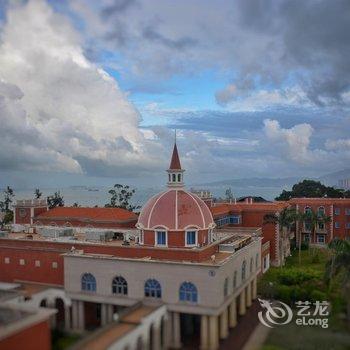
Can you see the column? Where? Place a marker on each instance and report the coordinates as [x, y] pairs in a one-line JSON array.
[[255, 288], [249, 294], [67, 323], [51, 305], [166, 334], [75, 313], [81, 316], [169, 330], [109, 313], [176, 330], [242, 306], [156, 338], [233, 314], [213, 333], [224, 324], [204, 333], [104, 316]]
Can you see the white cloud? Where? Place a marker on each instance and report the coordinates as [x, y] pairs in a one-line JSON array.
[[341, 144], [294, 142], [242, 99], [70, 113]]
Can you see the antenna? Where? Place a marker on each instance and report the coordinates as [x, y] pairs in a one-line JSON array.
[[175, 136]]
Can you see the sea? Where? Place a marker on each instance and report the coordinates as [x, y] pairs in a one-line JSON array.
[[99, 196]]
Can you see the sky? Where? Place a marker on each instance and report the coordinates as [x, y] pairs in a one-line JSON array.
[[92, 91]]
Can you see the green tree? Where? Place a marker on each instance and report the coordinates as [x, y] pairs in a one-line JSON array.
[[55, 200], [121, 196], [339, 265], [312, 189], [285, 219], [5, 206], [37, 193], [313, 219]]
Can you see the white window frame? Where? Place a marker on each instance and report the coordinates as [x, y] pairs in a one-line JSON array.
[[142, 237], [22, 262], [37, 263], [156, 237], [196, 238], [324, 239], [7, 260], [54, 265]]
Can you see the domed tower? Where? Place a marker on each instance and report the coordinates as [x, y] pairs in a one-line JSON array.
[[175, 218]]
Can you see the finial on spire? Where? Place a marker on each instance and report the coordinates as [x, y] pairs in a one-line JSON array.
[[175, 137]]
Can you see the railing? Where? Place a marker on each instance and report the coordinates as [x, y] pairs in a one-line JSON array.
[[265, 246], [31, 202]]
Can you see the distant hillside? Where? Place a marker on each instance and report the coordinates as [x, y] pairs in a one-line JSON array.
[[254, 182], [333, 178], [330, 179]]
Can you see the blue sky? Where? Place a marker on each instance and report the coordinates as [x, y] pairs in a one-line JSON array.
[[92, 91]]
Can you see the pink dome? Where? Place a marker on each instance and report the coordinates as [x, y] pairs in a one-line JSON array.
[[175, 209]]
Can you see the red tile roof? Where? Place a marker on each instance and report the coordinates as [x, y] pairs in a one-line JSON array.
[[320, 201], [175, 160], [93, 214], [239, 207]]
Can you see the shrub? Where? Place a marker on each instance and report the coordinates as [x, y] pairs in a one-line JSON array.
[[284, 293], [316, 259], [317, 295], [294, 276], [304, 246]]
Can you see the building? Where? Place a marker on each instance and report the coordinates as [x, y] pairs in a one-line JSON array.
[[202, 294], [35, 213], [337, 209], [182, 280], [24, 211], [344, 183], [21, 325], [251, 214]]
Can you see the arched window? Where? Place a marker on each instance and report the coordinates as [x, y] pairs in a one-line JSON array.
[[174, 177], [178, 177], [119, 285], [251, 264], [321, 211], [234, 282], [188, 292], [256, 260], [153, 289], [226, 287], [307, 223], [88, 282], [307, 210], [244, 266]]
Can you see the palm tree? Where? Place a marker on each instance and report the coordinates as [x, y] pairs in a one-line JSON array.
[[339, 265], [313, 219], [285, 219]]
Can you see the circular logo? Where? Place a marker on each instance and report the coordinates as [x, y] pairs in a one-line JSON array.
[[275, 313]]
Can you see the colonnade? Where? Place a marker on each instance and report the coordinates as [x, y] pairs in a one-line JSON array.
[[214, 328]]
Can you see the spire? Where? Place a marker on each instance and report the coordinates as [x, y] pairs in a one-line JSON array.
[[175, 160], [175, 172]]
